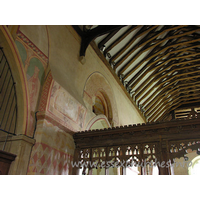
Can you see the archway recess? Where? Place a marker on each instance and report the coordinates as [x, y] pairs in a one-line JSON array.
[[18, 73], [99, 95]]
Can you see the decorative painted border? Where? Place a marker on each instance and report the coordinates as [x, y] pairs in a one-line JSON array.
[[32, 46], [45, 92], [45, 113]]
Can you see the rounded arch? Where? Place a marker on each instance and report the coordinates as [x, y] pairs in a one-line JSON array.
[[97, 87], [102, 105], [16, 65], [98, 122]]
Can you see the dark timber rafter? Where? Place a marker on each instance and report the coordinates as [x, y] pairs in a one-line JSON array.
[[160, 88], [150, 46], [177, 105], [178, 78], [173, 106], [166, 76], [157, 65], [142, 31], [153, 54], [118, 40], [167, 92], [151, 63], [174, 102], [173, 98], [90, 35]]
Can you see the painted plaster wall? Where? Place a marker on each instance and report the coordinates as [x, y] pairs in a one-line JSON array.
[[34, 66], [38, 35], [62, 45], [53, 152], [55, 50], [72, 75]]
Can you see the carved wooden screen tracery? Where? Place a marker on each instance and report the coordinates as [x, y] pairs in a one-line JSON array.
[[138, 155], [152, 143], [179, 149]]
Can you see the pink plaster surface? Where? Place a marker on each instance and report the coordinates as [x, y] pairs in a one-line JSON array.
[[49, 161]]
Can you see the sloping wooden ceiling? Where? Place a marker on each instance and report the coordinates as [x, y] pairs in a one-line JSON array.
[[158, 65]]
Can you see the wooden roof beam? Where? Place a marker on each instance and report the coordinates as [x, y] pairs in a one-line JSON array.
[[107, 38], [167, 80], [150, 63], [166, 101], [156, 114], [144, 86], [142, 31], [90, 35], [162, 97], [158, 72], [156, 54], [164, 89], [143, 41], [185, 78], [165, 92], [148, 41], [180, 103], [118, 40], [147, 47], [176, 63]]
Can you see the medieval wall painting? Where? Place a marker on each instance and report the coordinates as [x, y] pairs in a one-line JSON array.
[[35, 63], [35, 74], [67, 108]]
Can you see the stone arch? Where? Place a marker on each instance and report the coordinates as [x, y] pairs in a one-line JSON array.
[[97, 86], [16, 65], [100, 121], [101, 105]]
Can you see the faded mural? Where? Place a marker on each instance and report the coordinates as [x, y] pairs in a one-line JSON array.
[[35, 67], [54, 147]]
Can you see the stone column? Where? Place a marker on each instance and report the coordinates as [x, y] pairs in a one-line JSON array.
[[21, 146], [5, 161]]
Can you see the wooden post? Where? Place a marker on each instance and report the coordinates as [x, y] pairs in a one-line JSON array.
[[164, 162], [75, 169], [123, 170]]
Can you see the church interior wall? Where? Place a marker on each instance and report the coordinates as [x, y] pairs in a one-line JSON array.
[[61, 93]]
